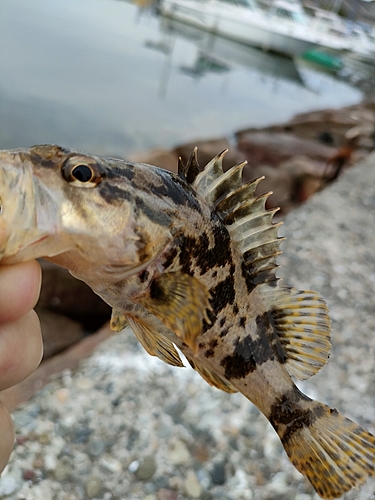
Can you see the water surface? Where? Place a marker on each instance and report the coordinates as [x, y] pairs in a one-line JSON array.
[[111, 78]]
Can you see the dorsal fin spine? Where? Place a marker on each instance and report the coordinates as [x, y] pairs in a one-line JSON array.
[[181, 168], [255, 238], [213, 171], [228, 181], [253, 222], [192, 169], [237, 197]]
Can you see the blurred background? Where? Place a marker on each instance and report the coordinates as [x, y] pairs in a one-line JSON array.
[[114, 78]]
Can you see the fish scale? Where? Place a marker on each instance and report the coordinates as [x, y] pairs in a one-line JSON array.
[[189, 261]]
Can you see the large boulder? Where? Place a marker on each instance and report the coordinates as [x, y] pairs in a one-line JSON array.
[[272, 148], [63, 294]]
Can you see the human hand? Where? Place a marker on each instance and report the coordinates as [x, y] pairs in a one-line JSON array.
[[21, 345]]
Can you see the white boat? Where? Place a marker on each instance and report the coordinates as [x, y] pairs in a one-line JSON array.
[[284, 28], [360, 46]]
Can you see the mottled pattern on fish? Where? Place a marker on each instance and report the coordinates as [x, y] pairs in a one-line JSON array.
[[189, 260]]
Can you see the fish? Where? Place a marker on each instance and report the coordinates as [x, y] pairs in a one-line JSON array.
[[189, 261]]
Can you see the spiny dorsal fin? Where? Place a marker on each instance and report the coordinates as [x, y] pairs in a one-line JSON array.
[[190, 171], [154, 342], [211, 377], [245, 215], [302, 325]]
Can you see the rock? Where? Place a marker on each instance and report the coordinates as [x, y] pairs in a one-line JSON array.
[[50, 462], [271, 148], [157, 157], [81, 434], [62, 394], [278, 485], [146, 468], [94, 487], [110, 463], [95, 447], [208, 150], [218, 474], [328, 126], [179, 454], [63, 294], [307, 187], [165, 494], [201, 452], [192, 487], [277, 180], [301, 165], [29, 475], [58, 332], [8, 485], [63, 472]]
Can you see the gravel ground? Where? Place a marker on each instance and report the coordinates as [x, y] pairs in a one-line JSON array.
[[127, 426]]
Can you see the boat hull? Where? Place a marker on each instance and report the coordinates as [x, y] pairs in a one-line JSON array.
[[244, 26]]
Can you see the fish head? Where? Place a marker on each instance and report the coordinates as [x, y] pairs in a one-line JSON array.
[[74, 209]]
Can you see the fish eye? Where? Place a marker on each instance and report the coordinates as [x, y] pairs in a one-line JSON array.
[[82, 171]]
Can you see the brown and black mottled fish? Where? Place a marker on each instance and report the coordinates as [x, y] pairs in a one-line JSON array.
[[189, 260]]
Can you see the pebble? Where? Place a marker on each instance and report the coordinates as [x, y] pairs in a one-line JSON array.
[[111, 464], [8, 485], [63, 472], [179, 454], [94, 487], [95, 447], [29, 475], [62, 395], [50, 462], [146, 468], [192, 487], [165, 494], [217, 473], [278, 484], [84, 383]]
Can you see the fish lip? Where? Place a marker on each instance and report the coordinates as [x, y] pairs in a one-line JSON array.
[[38, 240]]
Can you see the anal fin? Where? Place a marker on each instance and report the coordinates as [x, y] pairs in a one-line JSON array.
[[211, 377], [302, 324], [180, 301]]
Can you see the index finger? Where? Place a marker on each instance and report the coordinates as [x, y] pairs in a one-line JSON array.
[[19, 286], [19, 289]]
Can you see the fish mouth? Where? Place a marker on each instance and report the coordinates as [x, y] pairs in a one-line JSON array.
[[17, 207]]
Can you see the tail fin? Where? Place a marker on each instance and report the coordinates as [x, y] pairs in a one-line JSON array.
[[334, 453]]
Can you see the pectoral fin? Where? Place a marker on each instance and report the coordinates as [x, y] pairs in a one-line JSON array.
[[180, 301], [155, 343]]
